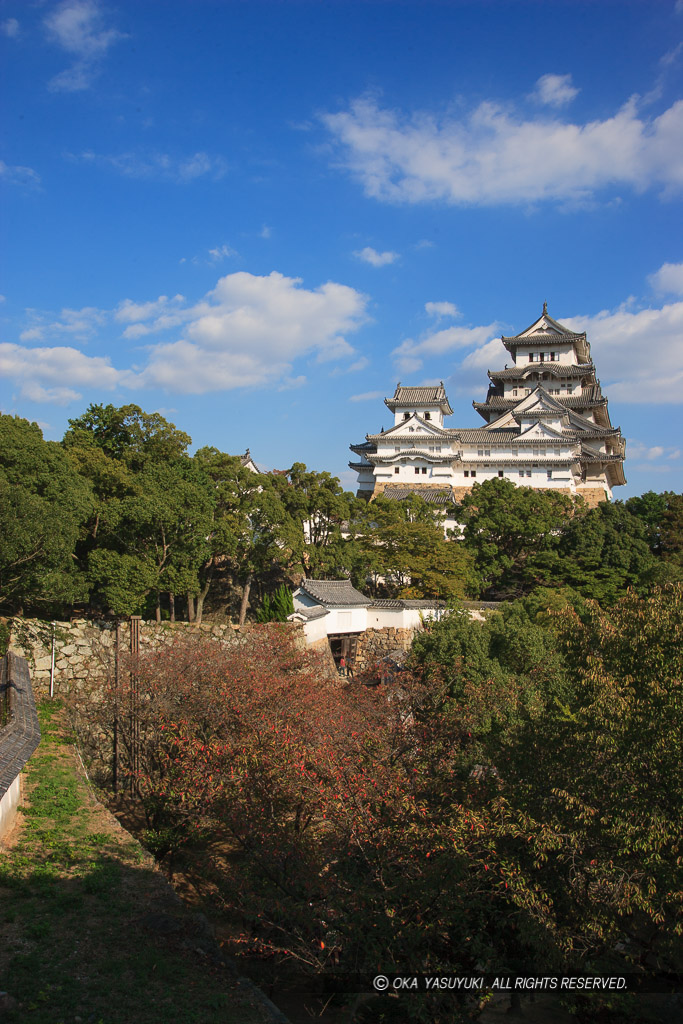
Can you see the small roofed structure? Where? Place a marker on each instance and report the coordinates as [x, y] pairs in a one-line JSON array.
[[335, 608], [248, 462]]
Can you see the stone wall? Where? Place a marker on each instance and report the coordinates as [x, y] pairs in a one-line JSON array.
[[375, 644], [85, 650]]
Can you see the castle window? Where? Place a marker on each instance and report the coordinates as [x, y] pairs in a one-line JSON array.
[[397, 448], [467, 472], [514, 392], [417, 469], [500, 472], [521, 472], [549, 474], [528, 472], [428, 415], [473, 472], [424, 470], [396, 470], [406, 415], [542, 357], [531, 357]]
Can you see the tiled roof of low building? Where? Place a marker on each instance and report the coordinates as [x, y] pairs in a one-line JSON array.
[[311, 613], [399, 603], [432, 495], [334, 593]]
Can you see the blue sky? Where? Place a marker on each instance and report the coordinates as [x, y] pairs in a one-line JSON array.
[[257, 217]]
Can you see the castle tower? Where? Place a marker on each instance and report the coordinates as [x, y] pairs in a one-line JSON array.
[[547, 426]]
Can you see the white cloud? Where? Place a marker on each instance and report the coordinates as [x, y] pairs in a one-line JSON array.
[[81, 323], [181, 170], [494, 156], [441, 309], [77, 26], [657, 458], [374, 258], [17, 175], [410, 354], [668, 279], [221, 252], [10, 28], [366, 396], [638, 353], [41, 372], [131, 312], [265, 232], [250, 329], [359, 364], [554, 90]]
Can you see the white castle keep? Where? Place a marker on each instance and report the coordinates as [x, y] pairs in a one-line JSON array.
[[547, 426]]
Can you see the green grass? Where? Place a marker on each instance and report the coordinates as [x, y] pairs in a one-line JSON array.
[[78, 903]]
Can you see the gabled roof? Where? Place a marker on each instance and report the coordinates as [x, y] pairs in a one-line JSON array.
[[539, 403], [334, 593], [548, 432], [545, 331], [430, 395], [394, 433], [248, 462]]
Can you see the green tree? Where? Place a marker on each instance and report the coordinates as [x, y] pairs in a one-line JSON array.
[[44, 505], [398, 549], [128, 434], [248, 529], [599, 785], [603, 552], [510, 531], [316, 508], [154, 540]]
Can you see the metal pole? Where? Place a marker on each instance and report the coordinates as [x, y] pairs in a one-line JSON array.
[[117, 690], [134, 686], [52, 662]]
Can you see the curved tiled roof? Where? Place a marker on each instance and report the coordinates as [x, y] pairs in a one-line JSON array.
[[556, 369], [500, 404], [316, 612], [435, 395], [542, 339], [333, 593], [432, 495], [412, 453]]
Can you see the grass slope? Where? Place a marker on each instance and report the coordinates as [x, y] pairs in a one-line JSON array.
[[89, 931]]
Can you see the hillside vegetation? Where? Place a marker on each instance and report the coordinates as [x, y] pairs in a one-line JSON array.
[[118, 519]]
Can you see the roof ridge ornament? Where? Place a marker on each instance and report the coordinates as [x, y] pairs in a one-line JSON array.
[[545, 309]]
